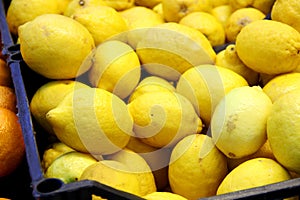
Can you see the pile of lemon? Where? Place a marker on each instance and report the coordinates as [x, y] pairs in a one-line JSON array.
[[139, 98]]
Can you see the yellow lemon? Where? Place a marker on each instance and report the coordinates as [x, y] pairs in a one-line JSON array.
[[48, 96], [281, 85], [283, 130], [253, 173], [207, 24], [216, 3], [205, 85], [222, 13], [163, 196], [55, 46], [159, 10], [262, 47], [114, 174], [228, 58], [195, 157], [75, 5], [147, 3], [174, 10], [159, 57], [62, 5], [286, 12], [239, 19], [163, 118], [21, 11], [92, 120], [120, 4], [69, 166], [263, 5], [116, 68], [138, 166], [141, 17], [102, 22], [238, 124]]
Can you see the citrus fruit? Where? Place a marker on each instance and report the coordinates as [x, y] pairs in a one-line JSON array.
[[92, 120], [262, 47], [163, 118], [207, 24], [283, 130], [120, 5], [159, 10], [228, 58], [238, 124], [69, 166], [159, 57], [11, 144], [55, 46], [48, 96], [253, 173], [75, 5], [205, 85], [216, 3], [8, 98], [282, 84], [138, 166], [240, 18], [195, 157], [114, 174], [116, 68], [5, 74], [62, 5], [102, 22], [163, 196], [222, 13], [21, 11], [263, 5]]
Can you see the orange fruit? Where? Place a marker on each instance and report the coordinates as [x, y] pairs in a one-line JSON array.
[[11, 144], [8, 98], [5, 76]]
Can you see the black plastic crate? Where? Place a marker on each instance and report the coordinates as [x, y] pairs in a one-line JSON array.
[[26, 82]]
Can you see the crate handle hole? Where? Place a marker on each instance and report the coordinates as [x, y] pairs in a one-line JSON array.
[[49, 185]]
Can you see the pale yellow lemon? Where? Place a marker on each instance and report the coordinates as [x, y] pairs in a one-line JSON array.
[[103, 22], [120, 5], [222, 13], [92, 120], [207, 24], [56, 46], [75, 5], [48, 96], [238, 124], [161, 119], [21, 11], [263, 5], [240, 18], [116, 68], [163, 196], [253, 173], [263, 41], [159, 57], [283, 130], [205, 85], [195, 157]]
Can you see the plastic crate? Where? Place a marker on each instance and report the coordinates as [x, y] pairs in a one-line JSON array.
[[26, 82]]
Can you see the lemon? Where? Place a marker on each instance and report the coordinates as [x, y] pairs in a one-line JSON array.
[[138, 166], [269, 47], [207, 24], [228, 58], [55, 46], [116, 68], [174, 10], [75, 5], [52, 152], [141, 17], [159, 10], [238, 124], [283, 130], [159, 57], [114, 174], [157, 159], [48, 96], [62, 5], [282, 84], [286, 12], [69, 166], [205, 85], [92, 120], [163, 196], [263, 5], [21, 11], [239, 19], [102, 22], [195, 157], [120, 5], [151, 84], [253, 173], [216, 3], [163, 118], [222, 13]]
